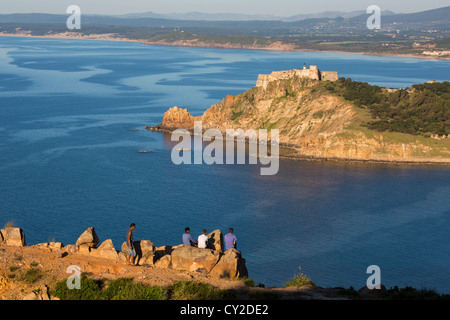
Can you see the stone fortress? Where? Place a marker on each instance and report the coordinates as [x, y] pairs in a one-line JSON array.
[[312, 73]]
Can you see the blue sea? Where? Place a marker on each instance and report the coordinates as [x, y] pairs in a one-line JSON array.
[[72, 114]]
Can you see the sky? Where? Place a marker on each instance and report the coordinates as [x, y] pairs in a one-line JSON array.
[[266, 7]]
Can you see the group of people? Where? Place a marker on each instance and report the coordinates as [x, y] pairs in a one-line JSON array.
[[202, 241]]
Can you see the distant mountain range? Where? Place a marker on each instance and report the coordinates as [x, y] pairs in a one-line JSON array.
[[221, 19], [199, 16]]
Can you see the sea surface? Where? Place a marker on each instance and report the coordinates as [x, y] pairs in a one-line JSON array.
[[72, 114]]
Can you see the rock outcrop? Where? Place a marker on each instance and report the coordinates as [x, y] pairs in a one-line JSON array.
[[215, 240], [212, 261], [145, 251], [13, 236], [105, 250], [190, 258], [88, 238], [231, 265], [312, 123]]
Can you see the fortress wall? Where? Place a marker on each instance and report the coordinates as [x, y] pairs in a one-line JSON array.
[[329, 76], [307, 73], [311, 73]]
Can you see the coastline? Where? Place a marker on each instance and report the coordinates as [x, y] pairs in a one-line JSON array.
[[276, 46], [297, 156]]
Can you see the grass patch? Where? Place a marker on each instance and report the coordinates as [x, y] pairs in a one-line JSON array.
[[89, 290], [318, 115], [32, 275], [9, 224], [247, 281], [126, 289], [299, 280], [188, 290]]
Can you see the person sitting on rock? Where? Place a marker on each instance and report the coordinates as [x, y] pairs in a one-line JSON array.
[[131, 249], [230, 240], [202, 240], [187, 239]]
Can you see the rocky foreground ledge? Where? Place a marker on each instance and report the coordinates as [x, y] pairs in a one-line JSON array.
[[33, 272], [154, 265]]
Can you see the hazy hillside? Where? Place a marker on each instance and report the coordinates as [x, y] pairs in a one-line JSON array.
[[400, 34]]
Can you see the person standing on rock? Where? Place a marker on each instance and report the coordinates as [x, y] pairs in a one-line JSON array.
[[230, 240], [131, 249], [187, 238], [202, 240]]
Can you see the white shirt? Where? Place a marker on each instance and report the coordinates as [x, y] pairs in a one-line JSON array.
[[202, 241]]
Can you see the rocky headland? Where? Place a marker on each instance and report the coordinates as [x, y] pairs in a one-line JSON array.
[[313, 123]]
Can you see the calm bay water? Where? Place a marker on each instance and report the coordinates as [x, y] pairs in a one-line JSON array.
[[69, 160]]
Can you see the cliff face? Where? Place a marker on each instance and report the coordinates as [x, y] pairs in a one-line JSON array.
[[315, 123]]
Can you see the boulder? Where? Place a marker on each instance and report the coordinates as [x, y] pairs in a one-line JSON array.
[[194, 259], [147, 260], [105, 250], [162, 251], [231, 265], [215, 240], [107, 254], [146, 247], [84, 249], [40, 294], [145, 251], [88, 238], [164, 262], [55, 245], [71, 248], [14, 236], [43, 245], [106, 245]]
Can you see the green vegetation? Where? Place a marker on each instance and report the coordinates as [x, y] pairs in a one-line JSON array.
[[127, 289], [90, 290], [422, 110], [410, 293], [9, 224], [317, 115], [187, 290], [299, 280], [32, 275], [247, 281], [13, 268]]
